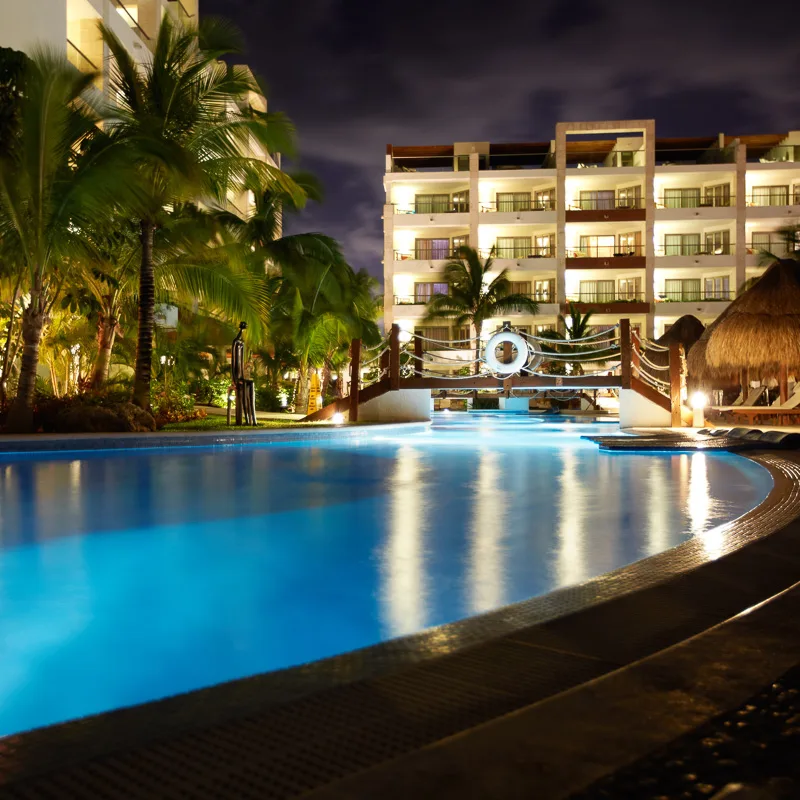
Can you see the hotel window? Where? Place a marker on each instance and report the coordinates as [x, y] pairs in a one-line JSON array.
[[462, 163], [431, 249], [630, 243], [513, 201], [681, 244], [458, 242], [718, 243], [796, 200], [545, 200], [513, 247], [596, 200], [440, 334], [544, 291], [521, 287], [769, 242], [717, 288], [682, 290], [597, 291], [598, 246], [718, 195], [630, 197], [681, 198], [460, 202], [432, 203], [545, 329], [770, 196], [462, 337], [630, 289], [423, 292], [544, 246]]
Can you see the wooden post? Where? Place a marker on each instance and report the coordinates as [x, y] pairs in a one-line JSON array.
[[355, 377], [783, 383], [394, 357], [384, 362], [625, 354], [636, 357], [418, 356], [675, 352]]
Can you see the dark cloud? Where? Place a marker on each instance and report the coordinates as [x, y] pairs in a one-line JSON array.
[[355, 75]]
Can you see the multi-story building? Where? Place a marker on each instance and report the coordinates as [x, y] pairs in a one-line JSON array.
[[606, 215], [72, 25]]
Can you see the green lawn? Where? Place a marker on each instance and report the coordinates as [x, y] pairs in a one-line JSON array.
[[217, 423]]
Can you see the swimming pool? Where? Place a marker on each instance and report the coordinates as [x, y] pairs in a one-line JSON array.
[[130, 576]]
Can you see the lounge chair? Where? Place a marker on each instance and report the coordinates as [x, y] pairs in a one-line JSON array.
[[752, 398]]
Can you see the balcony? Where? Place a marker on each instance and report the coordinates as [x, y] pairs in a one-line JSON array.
[[80, 60], [704, 152], [130, 14], [774, 201], [696, 249], [426, 254], [606, 257], [696, 202], [452, 213], [513, 207], [602, 209], [695, 297], [590, 155], [775, 155], [602, 303]]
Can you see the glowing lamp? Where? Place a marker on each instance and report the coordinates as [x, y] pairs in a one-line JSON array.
[[337, 418], [163, 359], [404, 337], [699, 402]]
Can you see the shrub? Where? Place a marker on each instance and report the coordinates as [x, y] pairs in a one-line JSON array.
[[89, 414], [486, 404], [210, 391], [173, 404]]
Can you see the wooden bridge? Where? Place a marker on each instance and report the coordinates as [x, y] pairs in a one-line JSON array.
[[633, 366]]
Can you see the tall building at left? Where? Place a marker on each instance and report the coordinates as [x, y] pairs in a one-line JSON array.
[[72, 25]]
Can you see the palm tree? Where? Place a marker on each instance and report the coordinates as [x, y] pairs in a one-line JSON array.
[[60, 173], [187, 117], [474, 296]]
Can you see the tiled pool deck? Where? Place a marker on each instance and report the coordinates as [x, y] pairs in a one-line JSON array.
[[381, 721]]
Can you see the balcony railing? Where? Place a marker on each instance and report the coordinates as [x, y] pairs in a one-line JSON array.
[[126, 15], [603, 298], [695, 297], [607, 251], [784, 152], [410, 300], [520, 252], [697, 155], [604, 158], [777, 247], [453, 207], [695, 202], [79, 59], [425, 255], [691, 249], [504, 206], [183, 14], [774, 199], [605, 203]]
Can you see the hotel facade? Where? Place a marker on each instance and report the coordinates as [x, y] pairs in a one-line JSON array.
[[606, 215]]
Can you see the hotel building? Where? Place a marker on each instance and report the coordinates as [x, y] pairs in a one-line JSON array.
[[606, 215]]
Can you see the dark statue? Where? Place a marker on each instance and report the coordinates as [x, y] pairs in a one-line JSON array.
[[245, 389]]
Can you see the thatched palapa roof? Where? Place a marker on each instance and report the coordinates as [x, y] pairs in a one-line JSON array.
[[760, 330], [700, 372]]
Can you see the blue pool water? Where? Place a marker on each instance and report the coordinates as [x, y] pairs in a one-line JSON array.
[[126, 577]]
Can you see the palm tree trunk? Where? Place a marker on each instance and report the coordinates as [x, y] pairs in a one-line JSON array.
[[147, 302], [477, 351], [20, 416], [7, 349], [304, 383], [326, 378], [106, 333]]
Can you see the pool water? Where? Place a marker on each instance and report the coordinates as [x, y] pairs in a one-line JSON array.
[[131, 576]]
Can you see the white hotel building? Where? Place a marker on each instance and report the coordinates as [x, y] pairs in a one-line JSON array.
[[72, 25], [605, 215]]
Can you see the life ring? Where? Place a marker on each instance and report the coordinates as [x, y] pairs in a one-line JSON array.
[[503, 337]]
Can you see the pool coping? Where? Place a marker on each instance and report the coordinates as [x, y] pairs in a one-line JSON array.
[[656, 602], [82, 442]]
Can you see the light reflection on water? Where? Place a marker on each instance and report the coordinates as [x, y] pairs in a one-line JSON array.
[[132, 576]]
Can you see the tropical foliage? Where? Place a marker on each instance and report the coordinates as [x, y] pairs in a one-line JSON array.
[[158, 199], [475, 295]]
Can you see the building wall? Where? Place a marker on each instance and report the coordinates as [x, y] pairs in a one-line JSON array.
[[725, 257]]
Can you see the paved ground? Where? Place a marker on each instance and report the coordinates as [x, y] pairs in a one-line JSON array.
[[756, 745]]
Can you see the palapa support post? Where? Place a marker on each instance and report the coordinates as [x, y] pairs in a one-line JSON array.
[[783, 382], [394, 358], [418, 356], [625, 353], [675, 358], [355, 377], [636, 357]]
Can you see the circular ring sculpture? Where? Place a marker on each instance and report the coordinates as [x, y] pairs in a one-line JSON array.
[[513, 339]]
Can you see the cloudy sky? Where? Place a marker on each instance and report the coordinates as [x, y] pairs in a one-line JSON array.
[[356, 75]]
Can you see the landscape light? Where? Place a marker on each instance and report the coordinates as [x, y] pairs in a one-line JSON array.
[[699, 402], [337, 418], [404, 337]]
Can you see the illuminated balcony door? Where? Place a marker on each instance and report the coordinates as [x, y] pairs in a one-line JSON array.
[[598, 246]]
